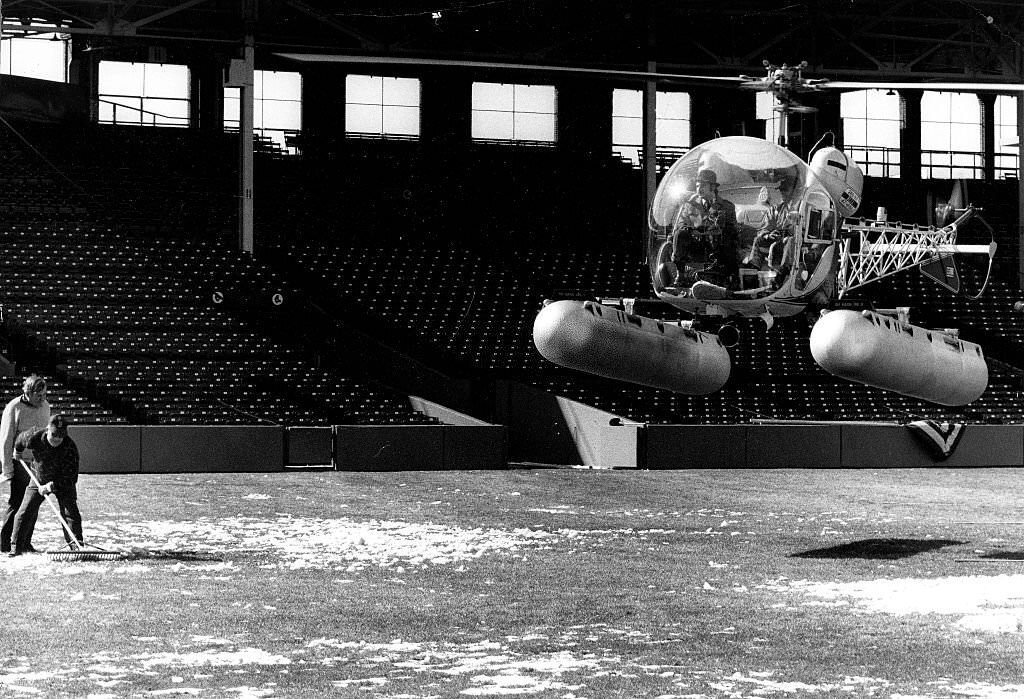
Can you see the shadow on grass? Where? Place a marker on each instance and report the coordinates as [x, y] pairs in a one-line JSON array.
[[1003, 556], [879, 548]]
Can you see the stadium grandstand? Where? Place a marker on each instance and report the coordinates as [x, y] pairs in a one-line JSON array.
[[284, 213]]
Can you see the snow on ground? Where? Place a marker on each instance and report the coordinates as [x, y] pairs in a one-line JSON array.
[[505, 666], [980, 602]]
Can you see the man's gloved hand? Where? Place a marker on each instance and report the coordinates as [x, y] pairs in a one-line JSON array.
[[46, 489]]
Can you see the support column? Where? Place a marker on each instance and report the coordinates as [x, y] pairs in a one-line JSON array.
[[245, 161], [1020, 192], [649, 145], [910, 136], [988, 136], [84, 72], [207, 93]]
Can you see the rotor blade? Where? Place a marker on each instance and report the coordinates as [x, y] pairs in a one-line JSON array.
[[923, 85], [410, 60]]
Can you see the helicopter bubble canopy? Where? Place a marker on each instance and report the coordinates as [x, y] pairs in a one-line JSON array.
[[766, 183]]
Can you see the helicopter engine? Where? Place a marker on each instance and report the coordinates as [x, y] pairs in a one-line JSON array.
[[879, 351], [605, 341]]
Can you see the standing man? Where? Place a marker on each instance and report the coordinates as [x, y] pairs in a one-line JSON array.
[[27, 411], [55, 466]]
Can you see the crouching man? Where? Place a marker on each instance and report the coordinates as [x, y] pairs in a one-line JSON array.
[[55, 467]]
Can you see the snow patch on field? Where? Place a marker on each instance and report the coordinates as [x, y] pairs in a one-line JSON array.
[[982, 603], [295, 543]]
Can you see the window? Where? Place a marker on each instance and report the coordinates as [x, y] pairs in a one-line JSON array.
[[150, 94], [277, 105], [672, 123], [505, 112], [41, 56], [871, 130], [1006, 137], [382, 106], [951, 135]]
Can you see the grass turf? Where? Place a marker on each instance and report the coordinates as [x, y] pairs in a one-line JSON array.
[[542, 583]]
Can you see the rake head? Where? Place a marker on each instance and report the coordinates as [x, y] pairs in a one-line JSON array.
[[85, 553]]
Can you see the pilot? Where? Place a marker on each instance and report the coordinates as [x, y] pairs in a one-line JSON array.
[[773, 231], [708, 225]]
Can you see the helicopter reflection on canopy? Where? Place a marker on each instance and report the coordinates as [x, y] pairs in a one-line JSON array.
[[743, 218]]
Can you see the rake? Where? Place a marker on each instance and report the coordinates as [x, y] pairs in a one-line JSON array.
[[73, 551]]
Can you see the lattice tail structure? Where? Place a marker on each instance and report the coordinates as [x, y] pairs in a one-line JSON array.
[[873, 250]]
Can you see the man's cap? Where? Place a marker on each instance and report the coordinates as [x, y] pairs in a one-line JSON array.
[[707, 176], [60, 423]]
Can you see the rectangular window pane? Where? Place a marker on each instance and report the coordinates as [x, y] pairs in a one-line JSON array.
[[965, 108], [493, 96], [885, 133], [402, 121], [164, 80], [232, 105], [962, 137], [673, 133], [627, 131], [934, 136], [880, 104], [362, 89], [363, 118], [672, 105], [534, 127], [535, 98], [491, 124], [120, 78], [627, 103], [935, 106], [281, 115], [402, 92], [855, 131], [281, 85], [853, 104]]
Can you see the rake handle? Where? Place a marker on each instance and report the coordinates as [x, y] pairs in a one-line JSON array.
[[56, 510]]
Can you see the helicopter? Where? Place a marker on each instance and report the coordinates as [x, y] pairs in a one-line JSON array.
[[777, 238]]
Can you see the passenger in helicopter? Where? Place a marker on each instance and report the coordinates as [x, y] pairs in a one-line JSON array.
[[707, 229], [773, 231]]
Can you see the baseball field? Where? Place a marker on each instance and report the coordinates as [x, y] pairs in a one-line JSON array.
[[544, 583]]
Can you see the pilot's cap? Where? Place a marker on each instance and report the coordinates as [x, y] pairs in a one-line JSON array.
[[706, 176]]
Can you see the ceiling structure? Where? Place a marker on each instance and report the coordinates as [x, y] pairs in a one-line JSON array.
[[868, 40]]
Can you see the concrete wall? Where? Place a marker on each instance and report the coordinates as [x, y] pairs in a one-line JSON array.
[[307, 446], [419, 447], [869, 446], [836, 445], [187, 449], [178, 449], [596, 441]]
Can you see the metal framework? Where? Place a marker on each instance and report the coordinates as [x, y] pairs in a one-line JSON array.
[[873, 250]]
